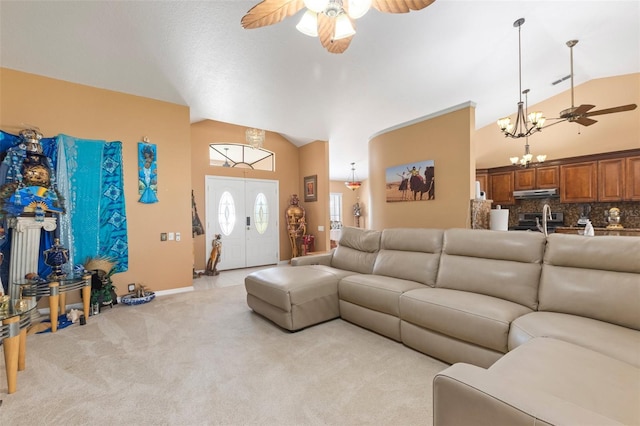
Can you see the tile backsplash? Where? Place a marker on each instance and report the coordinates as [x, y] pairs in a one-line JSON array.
[[629, 211]]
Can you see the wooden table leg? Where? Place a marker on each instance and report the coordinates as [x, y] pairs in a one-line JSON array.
[[54, 298], [22, 350], [11, 346], [86, 296]]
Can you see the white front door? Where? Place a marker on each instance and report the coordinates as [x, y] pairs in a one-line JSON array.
[[245, 214]]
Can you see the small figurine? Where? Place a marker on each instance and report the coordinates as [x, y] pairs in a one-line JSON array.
[[214, 258]]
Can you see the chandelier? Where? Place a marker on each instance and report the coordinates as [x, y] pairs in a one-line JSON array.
[[526, 159], [534, 121], [334, 9], [353, 184], [254, 137]]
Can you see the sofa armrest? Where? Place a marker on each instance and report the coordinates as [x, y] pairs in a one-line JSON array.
[[313, 259], [466, 394]]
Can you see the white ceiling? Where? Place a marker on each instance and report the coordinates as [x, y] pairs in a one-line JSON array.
[[399, 66]]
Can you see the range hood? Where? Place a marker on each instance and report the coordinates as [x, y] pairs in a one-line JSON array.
[[535, 193]]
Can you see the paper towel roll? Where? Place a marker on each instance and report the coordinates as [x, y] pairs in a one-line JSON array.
[[499, 219]]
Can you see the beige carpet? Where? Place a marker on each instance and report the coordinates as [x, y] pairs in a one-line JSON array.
[[204, 357]]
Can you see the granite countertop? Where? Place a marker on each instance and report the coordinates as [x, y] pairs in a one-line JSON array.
[[599, 231]]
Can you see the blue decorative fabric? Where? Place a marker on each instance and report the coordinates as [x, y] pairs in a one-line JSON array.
[[113, 220], [90, 177]]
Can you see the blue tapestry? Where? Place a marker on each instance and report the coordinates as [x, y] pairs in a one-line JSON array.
[[90, 178]]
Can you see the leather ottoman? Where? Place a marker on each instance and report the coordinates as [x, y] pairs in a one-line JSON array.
[[294, 297]]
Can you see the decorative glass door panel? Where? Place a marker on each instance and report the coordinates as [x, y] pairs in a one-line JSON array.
[[244, 213]]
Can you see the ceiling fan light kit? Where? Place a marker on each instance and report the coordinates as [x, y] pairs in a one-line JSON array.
[[332, 21]]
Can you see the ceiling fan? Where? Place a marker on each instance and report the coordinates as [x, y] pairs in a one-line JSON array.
[[333, 21], [581, 114]]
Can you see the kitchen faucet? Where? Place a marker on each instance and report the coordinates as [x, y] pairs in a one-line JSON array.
[[546, 215]]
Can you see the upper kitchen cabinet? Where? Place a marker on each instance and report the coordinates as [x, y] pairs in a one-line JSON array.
[[547, 177], [579, 182], [525, 179], [611, 179], [632, 184], [543, 177], [501, 188], [483, 178]]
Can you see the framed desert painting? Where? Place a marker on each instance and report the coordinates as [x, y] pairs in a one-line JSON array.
[[311, 188], [411, 182]]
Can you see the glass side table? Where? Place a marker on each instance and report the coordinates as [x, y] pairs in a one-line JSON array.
[[56, 290], [15, 317]]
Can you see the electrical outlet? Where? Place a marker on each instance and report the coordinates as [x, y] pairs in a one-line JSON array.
[[177, 236], [170, 236], [163, 236], [131, 288]]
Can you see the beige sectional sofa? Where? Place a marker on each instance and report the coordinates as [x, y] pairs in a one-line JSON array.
[[539, 330]]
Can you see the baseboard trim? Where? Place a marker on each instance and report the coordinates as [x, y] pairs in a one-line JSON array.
[[79, 306]]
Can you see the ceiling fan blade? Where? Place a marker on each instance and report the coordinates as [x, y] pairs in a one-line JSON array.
[[621, 108], [400, 6], [585, 121], [326, 29], [575, 111], [269, 12]]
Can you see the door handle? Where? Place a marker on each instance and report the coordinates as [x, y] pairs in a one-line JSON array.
[[248, 223]]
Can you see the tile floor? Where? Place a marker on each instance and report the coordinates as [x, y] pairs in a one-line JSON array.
[[227, 278]]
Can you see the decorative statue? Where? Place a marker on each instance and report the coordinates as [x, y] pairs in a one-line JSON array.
[[55, 257], [614, 218], [296, 224], [214, 258], [357, 212]]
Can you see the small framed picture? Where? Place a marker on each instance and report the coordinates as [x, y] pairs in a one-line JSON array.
[[311, 188]]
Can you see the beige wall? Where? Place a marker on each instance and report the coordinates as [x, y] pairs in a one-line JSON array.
[[206, 132], [612, 132], [446, 139], [60, 107], [314, 160]]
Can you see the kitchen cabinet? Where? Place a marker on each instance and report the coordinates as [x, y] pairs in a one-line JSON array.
[[482, 178], [611, 179], [579, 182], [547, 177], [632, 182], [524, 179], [501, 186]]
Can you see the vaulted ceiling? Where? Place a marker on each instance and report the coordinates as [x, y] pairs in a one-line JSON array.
[[398, 67]]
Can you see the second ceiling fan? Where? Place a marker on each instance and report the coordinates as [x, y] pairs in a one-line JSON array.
[[582, 113]]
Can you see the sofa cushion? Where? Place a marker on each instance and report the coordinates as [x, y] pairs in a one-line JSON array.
[[410, 254], [283, 287], [573, 373], [618, 342], [357, 250], [470, 317], [375, 292], [592, 277], [501, 264], [544, 381]]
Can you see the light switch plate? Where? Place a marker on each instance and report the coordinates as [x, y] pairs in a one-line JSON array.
[[320, 228], [170, 236], [177, 236], [163, 236]]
